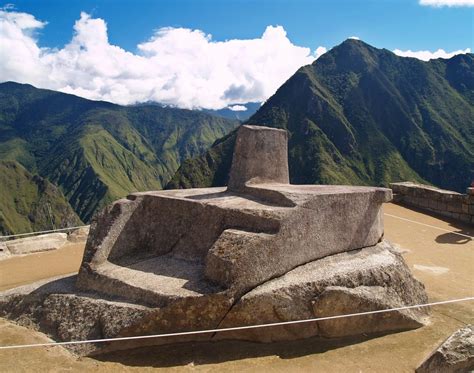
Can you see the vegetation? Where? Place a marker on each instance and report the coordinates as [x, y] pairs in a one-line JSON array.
[[95, 151], [361, 115], [31, 203]]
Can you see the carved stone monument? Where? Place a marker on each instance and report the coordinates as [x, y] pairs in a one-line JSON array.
[[259, 251]]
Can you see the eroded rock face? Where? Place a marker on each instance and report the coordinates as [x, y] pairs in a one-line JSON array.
[[338, 300], [373, 278], [55, 308], [260, 251], [455, 355]]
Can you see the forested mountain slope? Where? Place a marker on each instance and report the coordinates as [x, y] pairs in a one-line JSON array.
[[96, 151], [362, 115]]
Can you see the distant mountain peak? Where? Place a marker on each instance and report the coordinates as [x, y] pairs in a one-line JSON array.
[[351, 54], [363, 115]]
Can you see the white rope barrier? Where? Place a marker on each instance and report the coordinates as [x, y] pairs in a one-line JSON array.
[[431, 226], [43, 232], [237, 328]]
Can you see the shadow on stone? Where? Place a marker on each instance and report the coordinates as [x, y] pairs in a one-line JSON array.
[[203, 353]]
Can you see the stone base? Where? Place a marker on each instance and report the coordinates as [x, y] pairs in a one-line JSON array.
[[234, 241], [361, 280]]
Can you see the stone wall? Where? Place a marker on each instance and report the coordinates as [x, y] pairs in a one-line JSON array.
[[444, 202]]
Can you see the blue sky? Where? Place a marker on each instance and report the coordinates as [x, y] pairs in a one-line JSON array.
[[305, 25], [402, 24]]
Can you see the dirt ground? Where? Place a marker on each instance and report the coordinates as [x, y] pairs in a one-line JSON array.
[[443, 261], [25, 269]]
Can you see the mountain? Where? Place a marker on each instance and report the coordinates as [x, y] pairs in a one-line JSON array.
[[30, 203], [362, 115], [96, 151]]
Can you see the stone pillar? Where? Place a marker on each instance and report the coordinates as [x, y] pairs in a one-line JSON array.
[[260, 156]]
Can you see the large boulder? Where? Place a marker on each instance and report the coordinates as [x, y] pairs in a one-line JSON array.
[[373, 278], [261, 251], [454, 355]]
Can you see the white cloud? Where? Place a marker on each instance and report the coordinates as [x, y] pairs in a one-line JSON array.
[[449, 3], [427, 55], [319, 52], [17, 36], [238, 108], [176, 66]]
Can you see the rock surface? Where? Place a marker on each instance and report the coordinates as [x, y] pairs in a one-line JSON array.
[[4, 252], [262, 251], [236, 238], [44, 242], [368, 279], [79, 235], [456, 354], [53, 307], [260, 157], [373, 278]]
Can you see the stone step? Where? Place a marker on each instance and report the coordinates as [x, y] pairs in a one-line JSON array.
[[154, 281]]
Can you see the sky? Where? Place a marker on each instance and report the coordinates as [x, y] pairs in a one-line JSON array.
[[208, 53]]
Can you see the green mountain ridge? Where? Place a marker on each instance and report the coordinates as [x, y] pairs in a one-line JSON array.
[[95, 151], [362, 115], [30, 203]]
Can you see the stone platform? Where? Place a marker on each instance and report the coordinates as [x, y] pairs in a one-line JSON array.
[[258, 251], [232, 241]]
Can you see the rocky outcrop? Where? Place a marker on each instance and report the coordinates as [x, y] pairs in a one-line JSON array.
[[79, 235], [29, 245], [261, 251], [55, 308], [455, 355], [373, 278]]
